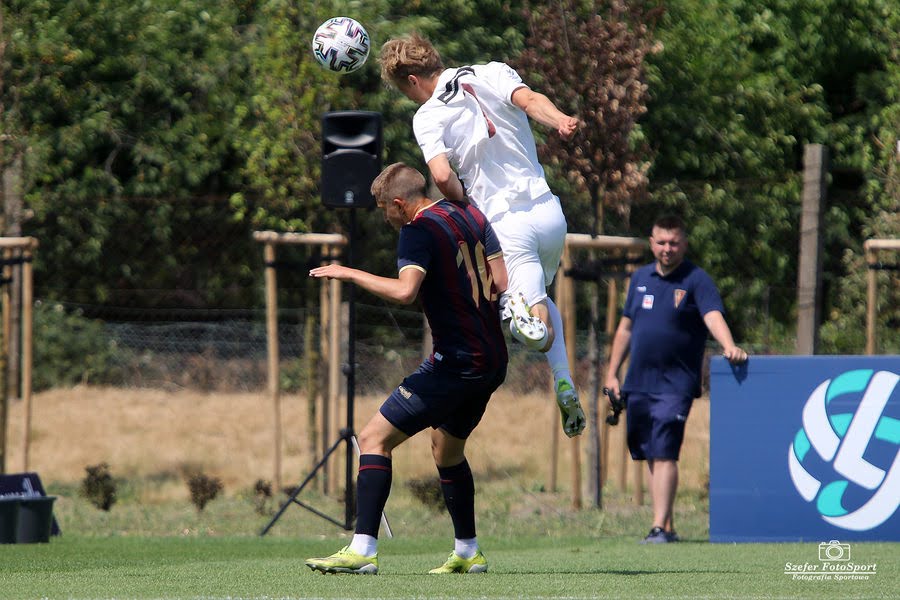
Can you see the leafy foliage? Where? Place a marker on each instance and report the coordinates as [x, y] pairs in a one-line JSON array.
[[70, 349], [204, 488], [428, 492], [590, 58], [262, 497], [121, 110], [156, 135], [737, 90], [99, 487], [282, 146]]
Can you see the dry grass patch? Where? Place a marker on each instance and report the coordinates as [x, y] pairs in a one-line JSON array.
[[157, 435]]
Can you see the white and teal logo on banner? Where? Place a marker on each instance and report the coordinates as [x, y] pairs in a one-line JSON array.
[[805, 448], [851, 485]]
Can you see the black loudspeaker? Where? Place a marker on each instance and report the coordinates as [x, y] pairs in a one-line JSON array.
[[351, 158]]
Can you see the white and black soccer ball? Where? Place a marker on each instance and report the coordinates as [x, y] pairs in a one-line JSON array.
[[341, 44]]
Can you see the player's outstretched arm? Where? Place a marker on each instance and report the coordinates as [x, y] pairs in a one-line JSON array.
[[402, 290], [540, 108]]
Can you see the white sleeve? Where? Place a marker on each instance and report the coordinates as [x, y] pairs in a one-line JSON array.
[[504, 79], [429, 132]]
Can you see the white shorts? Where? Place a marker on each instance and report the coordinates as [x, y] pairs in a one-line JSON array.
[[532, 238]]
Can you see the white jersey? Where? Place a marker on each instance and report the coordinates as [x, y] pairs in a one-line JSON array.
[[487, 139]]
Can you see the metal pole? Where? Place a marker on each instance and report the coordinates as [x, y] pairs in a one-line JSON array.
[[351, 379], [27, 330]]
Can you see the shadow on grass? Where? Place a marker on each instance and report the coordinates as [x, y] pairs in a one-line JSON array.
[[667, 572], [582, 572]]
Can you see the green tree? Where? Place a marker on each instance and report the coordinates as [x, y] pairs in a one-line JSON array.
[[282, 118], [122, 111], [738, 89], [877, 139], [589, 56]]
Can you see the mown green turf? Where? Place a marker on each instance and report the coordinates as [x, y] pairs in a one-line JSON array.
[[79, 567], [537, 547]]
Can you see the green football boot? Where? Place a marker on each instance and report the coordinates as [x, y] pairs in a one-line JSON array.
[[345, 560], [458, 564], [573, 421]]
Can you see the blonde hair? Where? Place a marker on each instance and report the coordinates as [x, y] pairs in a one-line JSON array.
[[409, 55], [398, 181]]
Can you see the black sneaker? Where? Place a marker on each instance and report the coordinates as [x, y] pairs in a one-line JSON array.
[[657, 536], [673, 537]]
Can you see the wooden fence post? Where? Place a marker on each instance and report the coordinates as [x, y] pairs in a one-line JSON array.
[[270, 239], [809, 271]]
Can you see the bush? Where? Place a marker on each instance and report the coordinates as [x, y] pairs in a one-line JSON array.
[[70, 349], [262, 494], [428, 492], [98, 486], [203, 489]]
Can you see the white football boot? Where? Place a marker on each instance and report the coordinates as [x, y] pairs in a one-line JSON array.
[[524, 326]]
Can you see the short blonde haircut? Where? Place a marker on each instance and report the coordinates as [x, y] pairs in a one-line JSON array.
[[398, 181], [409, 55]]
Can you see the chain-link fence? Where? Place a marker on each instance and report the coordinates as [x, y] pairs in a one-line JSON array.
[[229, 353], [227, 350]]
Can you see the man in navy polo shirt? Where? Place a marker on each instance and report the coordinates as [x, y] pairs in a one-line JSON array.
[[670, 307]]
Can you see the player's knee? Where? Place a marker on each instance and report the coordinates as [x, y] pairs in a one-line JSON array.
[[447, 451], [447, 458], [371, 441]]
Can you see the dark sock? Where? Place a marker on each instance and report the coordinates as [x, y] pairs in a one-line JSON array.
[[459, 494], [373, 485]]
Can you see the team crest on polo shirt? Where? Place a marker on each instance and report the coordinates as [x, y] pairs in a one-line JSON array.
[[647, 303], [679, 296]]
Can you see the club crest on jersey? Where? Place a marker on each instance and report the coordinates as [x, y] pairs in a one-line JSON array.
[[679, 296], [647, 302]]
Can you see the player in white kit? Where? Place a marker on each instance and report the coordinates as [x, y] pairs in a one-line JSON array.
[[473, 129]]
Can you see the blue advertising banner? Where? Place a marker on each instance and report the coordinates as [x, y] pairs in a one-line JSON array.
[[805, 448]]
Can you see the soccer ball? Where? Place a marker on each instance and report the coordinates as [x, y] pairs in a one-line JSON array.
[[341, 45]]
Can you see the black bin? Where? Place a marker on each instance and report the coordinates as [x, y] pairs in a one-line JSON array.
[[35, 519], [9, 519]]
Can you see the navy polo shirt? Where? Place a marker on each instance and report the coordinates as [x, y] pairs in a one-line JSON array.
[[668, 335]]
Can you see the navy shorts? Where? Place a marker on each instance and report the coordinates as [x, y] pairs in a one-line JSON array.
[[434, 398], [655, 424]]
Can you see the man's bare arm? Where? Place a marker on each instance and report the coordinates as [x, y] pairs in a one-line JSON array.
[[445, 178], [617, 354], [402, 290], [715, 322], [540, 108]]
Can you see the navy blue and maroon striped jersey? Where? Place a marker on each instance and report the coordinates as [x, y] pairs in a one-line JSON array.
[[452, 243]]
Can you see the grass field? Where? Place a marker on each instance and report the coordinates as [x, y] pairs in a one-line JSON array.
[[155, 544], [168, 550], [520, 567]]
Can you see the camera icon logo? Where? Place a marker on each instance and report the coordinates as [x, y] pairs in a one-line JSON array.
[[834, 551]]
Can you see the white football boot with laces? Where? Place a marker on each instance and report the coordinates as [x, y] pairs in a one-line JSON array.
[[524, 326]]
